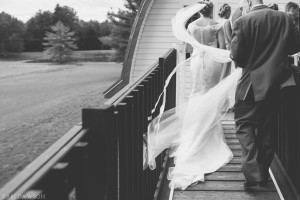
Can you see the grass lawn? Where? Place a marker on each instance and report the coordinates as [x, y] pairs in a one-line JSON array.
[[92, 56], [41, 101]]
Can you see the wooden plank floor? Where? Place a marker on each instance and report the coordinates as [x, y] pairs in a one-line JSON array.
[[227, 182]]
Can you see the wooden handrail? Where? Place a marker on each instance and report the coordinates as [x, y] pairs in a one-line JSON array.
[[128, 88], [41, 165]]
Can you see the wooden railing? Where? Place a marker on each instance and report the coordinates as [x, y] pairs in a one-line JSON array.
[[286, 164], [103, 157]]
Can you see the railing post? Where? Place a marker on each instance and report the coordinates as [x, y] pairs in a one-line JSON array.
[[80, 170], [296, 59], [150, 106], [146, 118], [143, 128], [173, 95], [181, 74], [130, 146], [123, 164], [102, 152], [56, 186], [138, 141]]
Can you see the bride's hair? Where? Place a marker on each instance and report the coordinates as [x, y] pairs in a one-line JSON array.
[[224, 9], [273, 6], [206, 11]]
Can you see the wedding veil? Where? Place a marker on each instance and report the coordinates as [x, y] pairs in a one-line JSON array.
[[176, 126]]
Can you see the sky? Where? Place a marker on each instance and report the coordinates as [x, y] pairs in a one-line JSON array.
[[86, 9]]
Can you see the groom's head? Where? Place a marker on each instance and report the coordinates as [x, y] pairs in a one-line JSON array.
[[247, 4], [254, 2]]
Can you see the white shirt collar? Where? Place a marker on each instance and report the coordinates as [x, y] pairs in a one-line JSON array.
[[256, 6]]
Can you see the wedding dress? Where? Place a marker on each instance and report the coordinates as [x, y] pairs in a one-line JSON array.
[[193, 130]]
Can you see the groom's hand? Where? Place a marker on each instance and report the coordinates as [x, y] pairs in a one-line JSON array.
[[295, 39], [238, 45]]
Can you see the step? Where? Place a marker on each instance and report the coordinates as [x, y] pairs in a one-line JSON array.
[[228, 118], [236, 160], [225, 176], [229, 131], [225, 195], [227, 186], [235, 146], [230, 136], [228, 123], [237, 152], [232, 141], [225, 127], [230, 168]]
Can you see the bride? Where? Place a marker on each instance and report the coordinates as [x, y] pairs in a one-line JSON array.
[[208, 32], [193, 130]]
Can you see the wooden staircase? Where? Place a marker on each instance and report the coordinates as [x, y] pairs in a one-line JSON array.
[[227, 182]]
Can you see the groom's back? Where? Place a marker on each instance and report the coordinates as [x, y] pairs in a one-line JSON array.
[[262, 41], [268, 39]]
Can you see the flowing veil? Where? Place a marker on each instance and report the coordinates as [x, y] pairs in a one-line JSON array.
[[187, 125]]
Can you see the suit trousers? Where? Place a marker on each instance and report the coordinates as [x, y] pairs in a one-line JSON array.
[[253, 130]]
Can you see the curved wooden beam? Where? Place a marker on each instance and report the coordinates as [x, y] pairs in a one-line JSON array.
[[135, 31]]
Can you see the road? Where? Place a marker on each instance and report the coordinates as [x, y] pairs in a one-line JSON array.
[[40, 102]]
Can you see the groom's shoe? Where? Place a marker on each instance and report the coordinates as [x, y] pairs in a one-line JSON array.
[[250, 184]]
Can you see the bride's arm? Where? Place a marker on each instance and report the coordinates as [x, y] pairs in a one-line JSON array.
[[221, 39], [228, 30], [188, 48]]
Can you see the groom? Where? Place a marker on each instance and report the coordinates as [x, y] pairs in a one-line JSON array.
[[262, 41]]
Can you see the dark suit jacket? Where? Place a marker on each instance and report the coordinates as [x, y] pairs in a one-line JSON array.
[[261, 43]]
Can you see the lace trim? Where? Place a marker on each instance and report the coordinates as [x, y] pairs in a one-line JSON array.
[[214, 26]]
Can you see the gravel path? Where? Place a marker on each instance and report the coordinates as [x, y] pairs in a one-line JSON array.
[[40, 102]]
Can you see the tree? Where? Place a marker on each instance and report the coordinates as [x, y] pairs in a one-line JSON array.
[[66, 15], [88, 34], [105, 28], [35, 30], [106, 40], [60, 44], [11, 34], [38, 25], [16, 43], [121, 27], [105, 31]]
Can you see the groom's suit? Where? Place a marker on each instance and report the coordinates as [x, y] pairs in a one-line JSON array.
[[262, 41]]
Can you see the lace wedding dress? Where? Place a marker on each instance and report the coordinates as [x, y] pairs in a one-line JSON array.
[[206, 73], [193, 130]]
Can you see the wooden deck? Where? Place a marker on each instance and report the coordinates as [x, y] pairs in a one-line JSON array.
[[227, 182]]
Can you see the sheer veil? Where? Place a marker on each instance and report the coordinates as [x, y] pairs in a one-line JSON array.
[[186, 125]]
